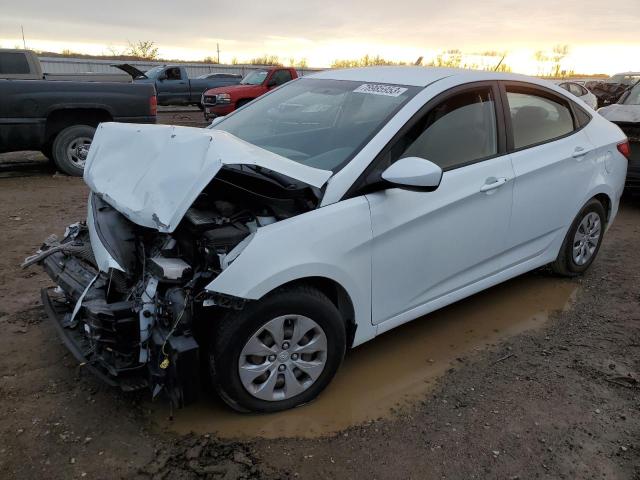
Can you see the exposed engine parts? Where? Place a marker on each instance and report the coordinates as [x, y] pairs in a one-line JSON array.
[[144, 320]]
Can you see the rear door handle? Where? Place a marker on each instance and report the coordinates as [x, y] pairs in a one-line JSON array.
[[580, 152], [493, 183]]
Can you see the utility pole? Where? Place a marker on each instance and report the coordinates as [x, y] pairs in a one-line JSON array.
[[218, 48], [24, 44]]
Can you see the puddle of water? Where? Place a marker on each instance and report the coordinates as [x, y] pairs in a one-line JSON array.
[[394, 369]]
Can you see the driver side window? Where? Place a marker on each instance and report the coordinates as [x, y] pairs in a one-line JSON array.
[[458, 131], [173, 74]]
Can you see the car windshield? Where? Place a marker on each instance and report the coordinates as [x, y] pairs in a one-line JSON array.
[[254, 78], [319, 123], [633, 97]]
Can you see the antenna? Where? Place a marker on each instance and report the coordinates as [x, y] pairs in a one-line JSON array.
[[24, 44], [218, 48], [499, 63]]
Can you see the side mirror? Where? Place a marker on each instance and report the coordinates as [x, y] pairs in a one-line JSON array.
[[414, 173], [216, 121], [272, 83]]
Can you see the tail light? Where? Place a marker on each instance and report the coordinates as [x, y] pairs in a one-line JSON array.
[[625, 149], [153, 106]]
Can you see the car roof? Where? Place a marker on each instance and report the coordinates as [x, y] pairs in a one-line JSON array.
[[418, 76]]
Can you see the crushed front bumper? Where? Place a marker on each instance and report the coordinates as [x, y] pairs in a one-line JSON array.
[[97, 334], [74, 340], [116, 340]]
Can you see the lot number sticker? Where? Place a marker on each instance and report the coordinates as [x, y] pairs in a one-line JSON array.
[[377, 89]]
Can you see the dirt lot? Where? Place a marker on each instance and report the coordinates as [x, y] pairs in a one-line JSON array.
[[537, 378]]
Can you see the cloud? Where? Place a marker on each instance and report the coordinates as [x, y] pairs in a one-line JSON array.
[[248, 28]]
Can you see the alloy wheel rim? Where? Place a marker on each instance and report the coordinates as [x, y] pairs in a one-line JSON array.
[[586, 239], [283, 358], [78, 150]]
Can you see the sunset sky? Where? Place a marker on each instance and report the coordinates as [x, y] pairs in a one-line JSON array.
[[601, 40]]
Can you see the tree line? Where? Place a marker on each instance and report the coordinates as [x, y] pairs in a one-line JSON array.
[[549, 63]]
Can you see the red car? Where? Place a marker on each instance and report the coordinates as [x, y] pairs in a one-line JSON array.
[[221, 101]]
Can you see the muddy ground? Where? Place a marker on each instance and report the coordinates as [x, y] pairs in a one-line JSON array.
[[536, 378]]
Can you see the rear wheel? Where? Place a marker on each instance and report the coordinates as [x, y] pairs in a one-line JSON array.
[[70, 148], [279, 352], [583, 240]]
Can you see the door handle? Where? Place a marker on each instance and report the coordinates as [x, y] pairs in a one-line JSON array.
[[580, 152], [493, 183]]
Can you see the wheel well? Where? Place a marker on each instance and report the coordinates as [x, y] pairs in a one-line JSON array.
[[604, 199], [58, 120], [243, 100], [338, 296]]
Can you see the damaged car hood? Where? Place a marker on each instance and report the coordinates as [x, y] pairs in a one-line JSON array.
[[621, 113], [153, 173]]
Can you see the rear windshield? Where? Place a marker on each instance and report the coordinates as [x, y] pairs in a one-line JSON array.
[[14, 63], [319, 123]]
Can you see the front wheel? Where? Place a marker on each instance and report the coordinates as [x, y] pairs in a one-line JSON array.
[[279, 352], [583, 240], [71, 147]]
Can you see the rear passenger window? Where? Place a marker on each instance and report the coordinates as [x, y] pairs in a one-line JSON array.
[[14, 63], [582, 117], [458, 131], [537, 118]]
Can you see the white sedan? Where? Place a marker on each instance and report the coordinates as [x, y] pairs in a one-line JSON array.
[[581, 92], [331, 210]]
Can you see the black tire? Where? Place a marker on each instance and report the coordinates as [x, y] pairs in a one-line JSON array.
[[565, 265], [200, 106], [236, 328], [61, 144], [243, 102]]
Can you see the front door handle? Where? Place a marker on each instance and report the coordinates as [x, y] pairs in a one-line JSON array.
[[493, 183]]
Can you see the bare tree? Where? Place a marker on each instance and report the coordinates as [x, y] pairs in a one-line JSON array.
[[550, 63], [116, 51], [265, 60], [365, 61], [449, 58], [145, 49], [558, 55]]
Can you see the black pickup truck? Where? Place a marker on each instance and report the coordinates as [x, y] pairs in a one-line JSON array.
[[59, 117]]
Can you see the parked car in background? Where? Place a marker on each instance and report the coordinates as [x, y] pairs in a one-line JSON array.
[[218, 102], [17, 64], [173, 85], [581, 92], [626, 114], [626, 78], [610, 90], [387, 194], [59, 118]]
